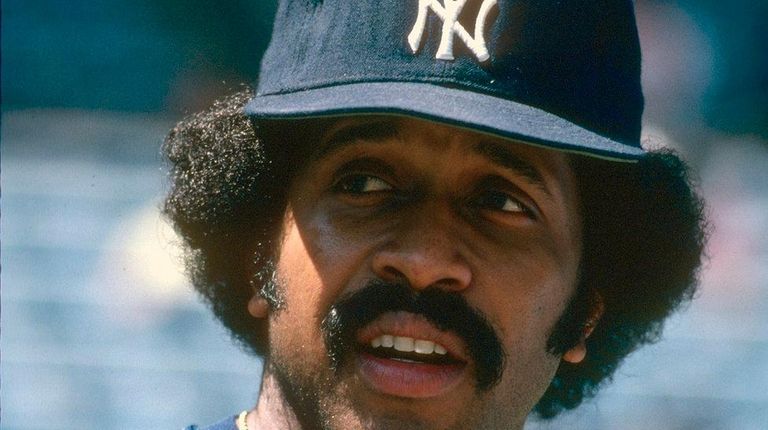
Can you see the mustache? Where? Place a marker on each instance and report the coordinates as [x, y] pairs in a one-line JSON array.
[[447, 311]]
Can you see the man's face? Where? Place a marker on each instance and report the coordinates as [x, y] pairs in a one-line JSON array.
[[479, 237]]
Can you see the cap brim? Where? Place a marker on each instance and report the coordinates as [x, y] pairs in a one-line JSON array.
[[466, 109]]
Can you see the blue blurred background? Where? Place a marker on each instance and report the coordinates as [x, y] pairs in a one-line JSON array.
[[99, 327]]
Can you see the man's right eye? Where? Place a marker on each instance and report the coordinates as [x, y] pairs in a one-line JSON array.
[[361, 184]]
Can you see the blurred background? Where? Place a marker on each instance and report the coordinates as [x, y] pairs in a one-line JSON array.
[[99, 329]]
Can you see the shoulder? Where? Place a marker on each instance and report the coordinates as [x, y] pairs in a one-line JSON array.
[[225, 424]]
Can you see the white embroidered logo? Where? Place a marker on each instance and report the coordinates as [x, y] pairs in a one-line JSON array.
[[450, 16]]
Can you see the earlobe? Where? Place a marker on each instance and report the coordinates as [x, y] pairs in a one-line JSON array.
[[577, 354], [258, 306]]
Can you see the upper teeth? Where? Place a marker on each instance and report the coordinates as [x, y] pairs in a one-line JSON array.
[[408, 344]]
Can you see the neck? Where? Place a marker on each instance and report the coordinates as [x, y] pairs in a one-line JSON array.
[[273, 411]]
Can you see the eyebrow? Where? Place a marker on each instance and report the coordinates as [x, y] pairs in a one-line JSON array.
[[499, 154], [373, 131], [382, 130]]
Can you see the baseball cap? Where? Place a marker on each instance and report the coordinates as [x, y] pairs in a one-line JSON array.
[[560, 74]]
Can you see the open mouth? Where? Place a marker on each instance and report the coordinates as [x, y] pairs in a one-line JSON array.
[[409, 350], [409, 367]]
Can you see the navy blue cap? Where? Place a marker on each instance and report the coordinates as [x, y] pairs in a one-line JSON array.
[[562, 74]]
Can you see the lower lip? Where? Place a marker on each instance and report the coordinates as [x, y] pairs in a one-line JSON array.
[[408, 379]]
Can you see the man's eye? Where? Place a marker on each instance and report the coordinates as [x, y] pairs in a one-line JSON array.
[[361, 184], [501, 202]]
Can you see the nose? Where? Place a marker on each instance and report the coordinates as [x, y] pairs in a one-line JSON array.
[[424, 252]]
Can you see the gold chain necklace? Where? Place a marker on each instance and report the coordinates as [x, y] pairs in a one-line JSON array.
[[241, 424]]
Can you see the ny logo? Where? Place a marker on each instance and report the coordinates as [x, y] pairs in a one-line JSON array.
[[450, 17]]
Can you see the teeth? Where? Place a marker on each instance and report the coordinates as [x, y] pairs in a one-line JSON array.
[[404, 344], [408, 344], [423, 346], [387, 341]]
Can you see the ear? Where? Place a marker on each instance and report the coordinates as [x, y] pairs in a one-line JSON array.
[[577, 354], [258, 306]]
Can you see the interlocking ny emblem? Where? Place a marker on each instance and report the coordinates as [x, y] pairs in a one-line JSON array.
[[449, 14]]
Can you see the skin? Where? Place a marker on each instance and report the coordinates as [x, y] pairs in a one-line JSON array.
[[434, 205]]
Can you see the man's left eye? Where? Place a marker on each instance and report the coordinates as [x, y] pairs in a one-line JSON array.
[[499, 201], [361, 184]]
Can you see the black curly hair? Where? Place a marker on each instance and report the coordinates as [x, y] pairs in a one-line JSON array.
[[643, 233]]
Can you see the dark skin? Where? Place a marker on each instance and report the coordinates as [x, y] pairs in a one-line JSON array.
[[406, 200]]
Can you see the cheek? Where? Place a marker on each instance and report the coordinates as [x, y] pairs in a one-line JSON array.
[[524, 310], [297, 273], [316, 264], [534, 281], [336, 247], [524, 293], [293, 327]]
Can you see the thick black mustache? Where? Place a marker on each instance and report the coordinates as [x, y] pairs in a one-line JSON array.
[[447, 311]]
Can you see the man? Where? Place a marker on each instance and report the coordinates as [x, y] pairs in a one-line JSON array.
[[435, 214]]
